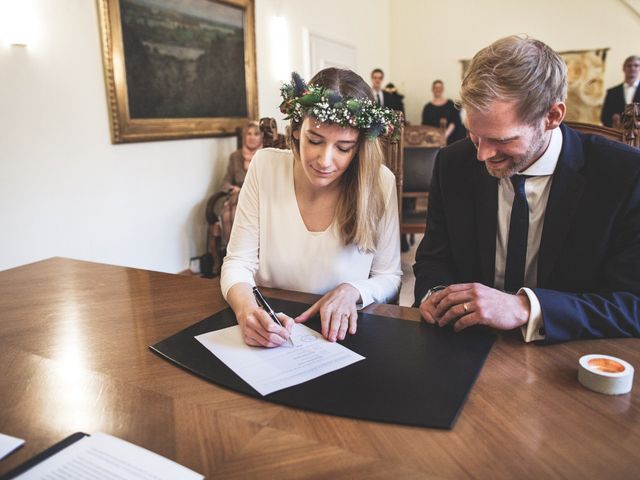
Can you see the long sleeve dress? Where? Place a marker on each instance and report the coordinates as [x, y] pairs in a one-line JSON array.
[[271, 246]]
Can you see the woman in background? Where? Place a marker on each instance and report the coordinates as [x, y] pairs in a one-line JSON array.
[[440, 107], [319, 218], [239, 162]]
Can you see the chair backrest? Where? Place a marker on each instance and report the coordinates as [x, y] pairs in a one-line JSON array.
[[417, 168], [417, 152], [629, 131], [606, 132], [420, 147], [271, 137]]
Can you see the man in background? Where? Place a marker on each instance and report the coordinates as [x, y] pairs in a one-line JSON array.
[[623, 94], [530, 225], [377, 76], [386, 97]]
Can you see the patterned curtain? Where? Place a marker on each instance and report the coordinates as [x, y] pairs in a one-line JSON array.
[[586, 84]]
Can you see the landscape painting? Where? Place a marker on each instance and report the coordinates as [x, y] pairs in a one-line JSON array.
[[187, 67]]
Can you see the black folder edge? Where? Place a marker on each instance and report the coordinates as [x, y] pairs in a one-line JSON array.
[[280, 401], [270, 399], [42, 456]]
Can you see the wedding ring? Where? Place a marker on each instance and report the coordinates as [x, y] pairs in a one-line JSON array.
[[466, 309]]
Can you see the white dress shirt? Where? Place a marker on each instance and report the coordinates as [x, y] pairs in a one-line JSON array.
[[379, 97], [630, 91], [537, 190]]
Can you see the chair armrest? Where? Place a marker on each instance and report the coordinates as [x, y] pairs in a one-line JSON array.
[[210, 212]]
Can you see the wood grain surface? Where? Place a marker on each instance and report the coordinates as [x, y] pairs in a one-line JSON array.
[[74, 357]]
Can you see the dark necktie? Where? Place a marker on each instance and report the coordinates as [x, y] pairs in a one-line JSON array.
[[378, 98], [517, 242]]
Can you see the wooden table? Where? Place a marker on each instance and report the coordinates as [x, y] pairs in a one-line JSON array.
[[74, 357]]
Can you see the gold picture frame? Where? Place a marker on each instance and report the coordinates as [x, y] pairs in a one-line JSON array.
[[186, 73]]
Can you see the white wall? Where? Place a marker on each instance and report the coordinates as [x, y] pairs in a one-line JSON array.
[[363, 24], [65, 190], [429, 37]]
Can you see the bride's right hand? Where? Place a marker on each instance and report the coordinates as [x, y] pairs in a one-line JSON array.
[[259, 330]]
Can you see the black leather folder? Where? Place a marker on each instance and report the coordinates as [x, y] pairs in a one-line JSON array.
[[413, 373]]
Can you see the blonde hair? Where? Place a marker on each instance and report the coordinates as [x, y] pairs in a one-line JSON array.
[[251, 125], [519, 69], [361, 204]]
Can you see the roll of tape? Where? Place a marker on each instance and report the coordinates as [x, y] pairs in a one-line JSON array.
[[605, 374]]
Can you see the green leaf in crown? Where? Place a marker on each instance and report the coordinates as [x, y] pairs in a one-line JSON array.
[[310, 99], [353, 105]]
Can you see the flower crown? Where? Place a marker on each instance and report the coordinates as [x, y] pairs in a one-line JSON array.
[[328, 106]]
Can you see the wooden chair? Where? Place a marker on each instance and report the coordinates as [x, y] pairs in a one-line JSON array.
[[628, 131], [606, 132], [271, 137], [393, 161], [393, 158], [631, 125], [216, 247], [420, 146]]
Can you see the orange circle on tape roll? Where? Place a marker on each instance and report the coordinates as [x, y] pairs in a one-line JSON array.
[[606, 365]]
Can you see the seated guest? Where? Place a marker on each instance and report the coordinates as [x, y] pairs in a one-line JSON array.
[[239, 161], [620, 95], [440, 107], [531, 224], [321, 217]]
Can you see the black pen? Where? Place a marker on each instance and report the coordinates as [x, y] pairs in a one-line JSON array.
[[267, 308]]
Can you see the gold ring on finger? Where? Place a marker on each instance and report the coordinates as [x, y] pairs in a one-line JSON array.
[[466, 308]]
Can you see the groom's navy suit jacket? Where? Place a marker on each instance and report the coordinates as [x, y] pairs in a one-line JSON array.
[[589, 260]]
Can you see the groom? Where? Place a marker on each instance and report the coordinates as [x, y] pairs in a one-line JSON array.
[[531, 225]]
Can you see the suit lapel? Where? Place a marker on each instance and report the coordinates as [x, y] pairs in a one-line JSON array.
[[567, 186], [636, 96], [487, 222]]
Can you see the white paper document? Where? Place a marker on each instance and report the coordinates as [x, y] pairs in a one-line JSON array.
[[103, 457], [8, 444], [271, 369]]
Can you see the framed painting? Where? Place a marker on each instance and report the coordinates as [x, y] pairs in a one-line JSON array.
[[178, 68]]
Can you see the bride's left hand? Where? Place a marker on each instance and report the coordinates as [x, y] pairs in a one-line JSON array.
[[338, 312]]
